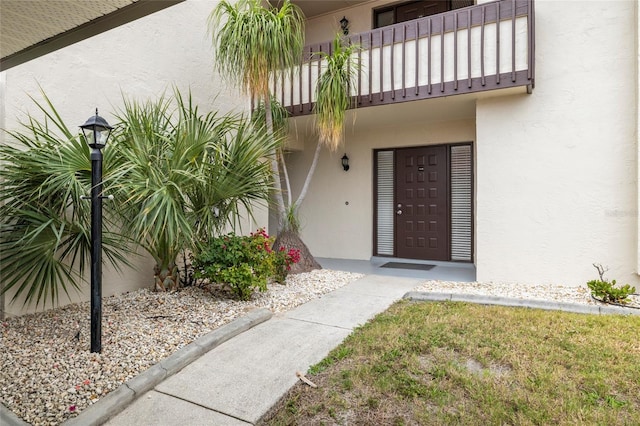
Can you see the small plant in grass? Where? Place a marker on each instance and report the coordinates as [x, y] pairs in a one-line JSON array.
[[607, 291], [245, 263]]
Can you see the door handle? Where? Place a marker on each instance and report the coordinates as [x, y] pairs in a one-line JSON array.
[[399, 212]]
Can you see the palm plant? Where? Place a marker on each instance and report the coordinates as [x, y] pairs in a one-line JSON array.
[[177, 178], [280, 123], [44, 223], [333, 96], [253, 45], [184, 175]]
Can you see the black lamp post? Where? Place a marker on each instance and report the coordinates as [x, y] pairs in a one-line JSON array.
[[96, 132]]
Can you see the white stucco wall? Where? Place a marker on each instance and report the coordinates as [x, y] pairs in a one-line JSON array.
[[637, 136], [140, 60], [557, 170]]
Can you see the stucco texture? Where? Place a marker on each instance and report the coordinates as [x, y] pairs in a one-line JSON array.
[[556, 170]]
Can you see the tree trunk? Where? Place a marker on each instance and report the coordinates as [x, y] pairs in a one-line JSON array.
[[165, 278], [281, 209], [307, 181], [291, 240]]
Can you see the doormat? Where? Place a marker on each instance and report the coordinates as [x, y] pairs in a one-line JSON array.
[[416, 266]]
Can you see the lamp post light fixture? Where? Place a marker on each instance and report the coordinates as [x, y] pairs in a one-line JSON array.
[[345, 162], [96, 131], [344, 25]]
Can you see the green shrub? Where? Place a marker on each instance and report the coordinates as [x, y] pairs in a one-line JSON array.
[[245, 263], [607, 291]]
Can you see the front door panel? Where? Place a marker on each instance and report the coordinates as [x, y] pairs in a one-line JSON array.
[[422, 216]]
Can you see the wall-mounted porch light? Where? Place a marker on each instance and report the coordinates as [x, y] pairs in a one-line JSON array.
[[96, 132], [345, 162], [344, 25]]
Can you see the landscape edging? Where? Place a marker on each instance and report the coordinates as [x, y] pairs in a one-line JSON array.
[[116, 401], [524, 303]]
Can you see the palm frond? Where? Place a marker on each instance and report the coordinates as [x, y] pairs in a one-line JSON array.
[[253, 42], [333, 95], [44, 222], [182, 173]]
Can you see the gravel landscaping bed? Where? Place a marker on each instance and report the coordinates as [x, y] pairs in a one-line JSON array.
[[48, 374]]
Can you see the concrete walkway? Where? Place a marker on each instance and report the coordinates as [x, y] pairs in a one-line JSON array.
[[237, 382]]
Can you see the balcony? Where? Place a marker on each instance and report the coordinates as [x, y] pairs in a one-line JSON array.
[[474, 49]]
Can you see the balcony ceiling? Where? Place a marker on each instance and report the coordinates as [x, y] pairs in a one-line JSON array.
[[31, 28], [313, 8]]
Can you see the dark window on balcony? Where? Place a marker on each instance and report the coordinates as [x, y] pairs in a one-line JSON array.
[[408, 11]]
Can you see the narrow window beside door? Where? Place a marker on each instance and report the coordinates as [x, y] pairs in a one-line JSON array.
[[384, 206], [461, 208]]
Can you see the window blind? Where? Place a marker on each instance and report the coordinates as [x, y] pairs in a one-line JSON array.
[[385, 189], [461, 208]]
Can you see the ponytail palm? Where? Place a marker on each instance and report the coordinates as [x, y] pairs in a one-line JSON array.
[[333, 96], [332, 100], [254, 44]]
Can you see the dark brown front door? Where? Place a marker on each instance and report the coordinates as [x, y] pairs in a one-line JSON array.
[[422, 216]]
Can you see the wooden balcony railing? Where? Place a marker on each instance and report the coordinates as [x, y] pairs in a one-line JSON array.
[[484, 47]]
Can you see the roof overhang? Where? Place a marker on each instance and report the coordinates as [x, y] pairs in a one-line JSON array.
[[29, 29], [312, 8]]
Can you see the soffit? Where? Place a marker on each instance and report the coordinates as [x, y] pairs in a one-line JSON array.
[[399, 115], [31, 28], [313, 8]]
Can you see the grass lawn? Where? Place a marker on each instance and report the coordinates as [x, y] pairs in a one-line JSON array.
[[455, 363]]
